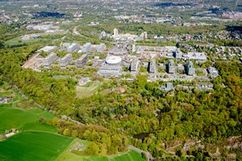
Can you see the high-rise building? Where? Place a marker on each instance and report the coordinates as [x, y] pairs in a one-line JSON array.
[[189, 68], [170, 67], [115, 32]]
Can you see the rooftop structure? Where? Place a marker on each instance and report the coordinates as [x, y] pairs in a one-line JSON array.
[[112, 60], [65, 60], [189, 68], [51, 58], [170, 67]]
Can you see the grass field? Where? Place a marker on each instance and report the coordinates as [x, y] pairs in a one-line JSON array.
[[67, 155], [23, 119], [33, 146]]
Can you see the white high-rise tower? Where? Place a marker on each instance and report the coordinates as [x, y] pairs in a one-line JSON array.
[[115, 32]]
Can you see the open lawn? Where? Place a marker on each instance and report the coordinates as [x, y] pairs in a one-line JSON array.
[[23, 119], [33, 146]]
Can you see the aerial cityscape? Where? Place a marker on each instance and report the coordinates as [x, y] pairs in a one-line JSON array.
[[118, 80]]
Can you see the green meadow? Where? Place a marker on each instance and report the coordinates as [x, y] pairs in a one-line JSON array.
[[23, 119], [33, 146]]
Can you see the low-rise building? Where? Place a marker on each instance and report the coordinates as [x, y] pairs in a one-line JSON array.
[[86, 48], [65, 60], [70, 47], [73, 47], [213, 72], [199, 56], [50, 59], [48, 49], [82, 61]]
